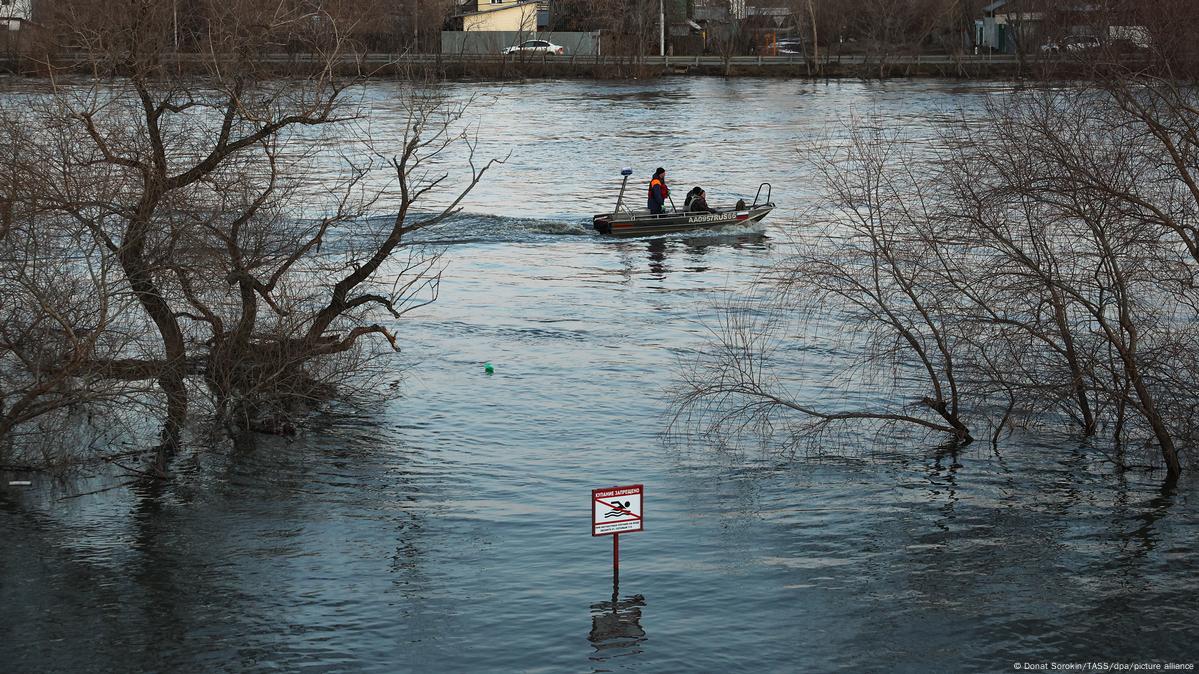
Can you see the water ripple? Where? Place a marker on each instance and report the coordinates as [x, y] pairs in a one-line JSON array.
[[447, 530]]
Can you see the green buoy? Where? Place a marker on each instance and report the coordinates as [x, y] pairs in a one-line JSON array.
[[487, 367]]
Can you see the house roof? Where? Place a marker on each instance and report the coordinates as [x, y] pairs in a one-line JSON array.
[[500, 8], [1067, 6]]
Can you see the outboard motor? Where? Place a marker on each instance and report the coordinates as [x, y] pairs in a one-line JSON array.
[[602, 224]]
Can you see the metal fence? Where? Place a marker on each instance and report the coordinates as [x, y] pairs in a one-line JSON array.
[[785, 63], [709, 60]]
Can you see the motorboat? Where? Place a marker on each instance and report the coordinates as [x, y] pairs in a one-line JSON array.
[[625, 221]]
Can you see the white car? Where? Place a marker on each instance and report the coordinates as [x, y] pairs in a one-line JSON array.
[[790, 46], [535, 47]]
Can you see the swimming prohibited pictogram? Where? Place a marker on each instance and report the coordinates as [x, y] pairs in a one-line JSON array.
[[616, 510]]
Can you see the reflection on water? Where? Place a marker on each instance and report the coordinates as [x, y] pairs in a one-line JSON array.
[[685, 252], [657, 258], [616, 629], [446, 531]]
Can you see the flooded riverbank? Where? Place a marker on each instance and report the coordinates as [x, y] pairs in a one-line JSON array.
[[447, 530]]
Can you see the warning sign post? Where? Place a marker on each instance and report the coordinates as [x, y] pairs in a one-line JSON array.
[[616, 511]]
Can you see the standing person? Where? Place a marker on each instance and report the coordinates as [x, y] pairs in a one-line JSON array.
[[658, 192]]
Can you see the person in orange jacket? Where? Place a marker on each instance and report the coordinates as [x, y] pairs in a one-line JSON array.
[[658, 191]]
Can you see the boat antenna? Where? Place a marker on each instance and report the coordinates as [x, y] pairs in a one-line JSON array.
[[626, 172]]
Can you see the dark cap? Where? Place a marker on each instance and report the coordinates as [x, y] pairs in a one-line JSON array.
[[660, 171]]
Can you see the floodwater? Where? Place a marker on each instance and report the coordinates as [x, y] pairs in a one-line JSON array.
[[448, 529]]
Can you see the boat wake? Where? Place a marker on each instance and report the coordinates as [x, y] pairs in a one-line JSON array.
[[478, 228]]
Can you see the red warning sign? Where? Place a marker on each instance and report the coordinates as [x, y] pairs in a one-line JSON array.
[[616, 510]]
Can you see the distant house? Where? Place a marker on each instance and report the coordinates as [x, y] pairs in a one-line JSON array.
[[770, 23], [14, 13], [491, 26], [747, 23], [1004, 27], [519, 16], [1021, 25]]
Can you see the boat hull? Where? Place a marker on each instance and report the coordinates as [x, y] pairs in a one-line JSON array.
[[622, 224]]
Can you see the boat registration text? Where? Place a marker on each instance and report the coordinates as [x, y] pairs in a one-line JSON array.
[[711, 217]]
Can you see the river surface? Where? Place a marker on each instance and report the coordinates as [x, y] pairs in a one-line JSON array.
[[447, 530]]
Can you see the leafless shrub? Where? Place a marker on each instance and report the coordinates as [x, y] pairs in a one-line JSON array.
[[863, 279], [203, 197], [1036, 268]]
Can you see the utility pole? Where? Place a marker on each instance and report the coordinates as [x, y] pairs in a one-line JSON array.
[[815, 43], [661, 28]]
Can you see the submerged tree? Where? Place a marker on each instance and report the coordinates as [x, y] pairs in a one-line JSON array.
[[190, 183], [861, 280], [1084, 197], [1035, 269]]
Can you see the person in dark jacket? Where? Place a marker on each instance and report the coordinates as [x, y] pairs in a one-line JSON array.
[[658, 192], [697, 202]]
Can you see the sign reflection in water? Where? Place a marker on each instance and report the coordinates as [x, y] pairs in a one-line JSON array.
[[616, 627]]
